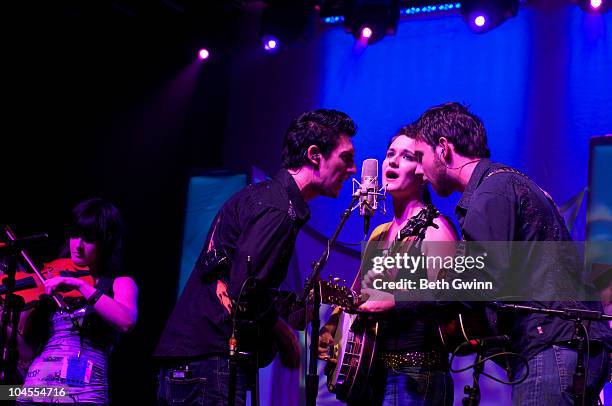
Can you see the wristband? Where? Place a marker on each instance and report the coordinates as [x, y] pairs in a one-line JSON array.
[[94, 298]]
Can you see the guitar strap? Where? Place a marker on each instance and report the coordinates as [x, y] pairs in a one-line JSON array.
[[397, 240], [356, 285], [507, 169]]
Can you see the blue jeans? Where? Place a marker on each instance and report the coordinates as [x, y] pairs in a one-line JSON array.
[[550, 377], [414, 386], [205, 383]]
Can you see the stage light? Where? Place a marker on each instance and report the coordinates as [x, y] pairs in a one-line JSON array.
[[594, 6], [270, 43], [374, 18], [283, 22], [331, 11], [203, 54], [436, 8], [333, 19], [484, 15]]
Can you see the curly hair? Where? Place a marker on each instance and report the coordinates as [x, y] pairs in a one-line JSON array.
[[322, 128], [454, 122]]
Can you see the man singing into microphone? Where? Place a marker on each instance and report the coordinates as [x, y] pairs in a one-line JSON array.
[[260, 224], [501, 204]]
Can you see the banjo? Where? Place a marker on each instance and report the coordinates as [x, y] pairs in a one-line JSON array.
[[352, 356]]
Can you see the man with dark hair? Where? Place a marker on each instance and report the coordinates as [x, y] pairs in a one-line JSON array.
[[319, 128], [452, 128], [501, 204], [454, 122], [258, 224]]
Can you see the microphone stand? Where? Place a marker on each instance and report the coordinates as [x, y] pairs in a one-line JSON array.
[[13, 305], [312, 378], [481, 345], [577, 316], [236, 356], [473, 392]]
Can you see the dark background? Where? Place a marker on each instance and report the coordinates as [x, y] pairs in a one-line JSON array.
[[93, 108], [107, 99]]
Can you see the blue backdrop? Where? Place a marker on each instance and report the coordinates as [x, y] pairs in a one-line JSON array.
[[542, 83]]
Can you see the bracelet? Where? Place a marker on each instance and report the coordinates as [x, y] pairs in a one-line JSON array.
[[94, 298]]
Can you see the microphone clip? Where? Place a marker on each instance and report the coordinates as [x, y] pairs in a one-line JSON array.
[[369, 197]]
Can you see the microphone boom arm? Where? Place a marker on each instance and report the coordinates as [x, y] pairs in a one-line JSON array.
[[312, 378]]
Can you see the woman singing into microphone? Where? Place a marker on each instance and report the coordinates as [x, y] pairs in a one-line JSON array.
[[72, 366], [411, 365]]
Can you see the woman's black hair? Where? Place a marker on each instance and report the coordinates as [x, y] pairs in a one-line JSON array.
[[97, 220]]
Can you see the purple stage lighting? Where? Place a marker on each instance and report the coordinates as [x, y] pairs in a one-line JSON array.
[[203, 54], [366, 33], [594, 6], [270, 43], [484, 15]]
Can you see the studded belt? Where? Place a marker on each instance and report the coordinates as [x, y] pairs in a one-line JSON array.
[[431, 360]]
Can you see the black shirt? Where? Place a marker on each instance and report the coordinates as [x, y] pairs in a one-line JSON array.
[[260, 221], [508, 206]]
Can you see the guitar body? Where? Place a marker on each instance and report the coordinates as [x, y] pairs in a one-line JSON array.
[[353, 356], [257, 345], [267, 350], [463, 326]]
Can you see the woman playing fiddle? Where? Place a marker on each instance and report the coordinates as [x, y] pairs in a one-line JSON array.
[[75, 356]]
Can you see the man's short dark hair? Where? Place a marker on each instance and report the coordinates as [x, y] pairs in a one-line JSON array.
[[454, 122], [322, 128]]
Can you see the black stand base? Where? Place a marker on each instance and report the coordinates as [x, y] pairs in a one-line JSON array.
[[473, 392], [11, 311]]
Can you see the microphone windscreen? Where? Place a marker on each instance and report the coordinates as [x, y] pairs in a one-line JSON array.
[[369, 168]]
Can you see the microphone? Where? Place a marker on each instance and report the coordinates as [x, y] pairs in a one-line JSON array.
[[25, 242], [368, 200], [488, 342]]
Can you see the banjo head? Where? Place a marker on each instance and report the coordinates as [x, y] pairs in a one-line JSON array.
[[353, 356], [343, 336]]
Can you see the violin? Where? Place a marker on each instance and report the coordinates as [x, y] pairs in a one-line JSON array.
[[67, 268], [29, 284]]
